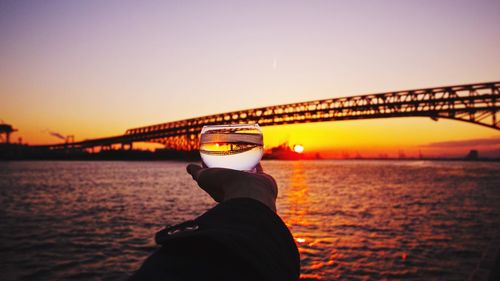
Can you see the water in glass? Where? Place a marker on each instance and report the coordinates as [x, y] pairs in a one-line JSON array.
[[238, 147]]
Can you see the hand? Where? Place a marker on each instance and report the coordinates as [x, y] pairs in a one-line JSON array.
[[225, 184]]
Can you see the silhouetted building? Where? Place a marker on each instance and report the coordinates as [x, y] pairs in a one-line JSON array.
[[5, 131], [473, 155], [282, 152]]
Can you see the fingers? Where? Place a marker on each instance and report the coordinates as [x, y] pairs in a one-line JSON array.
[[215, 181], [194, 170], [211, 180], [223, 184]]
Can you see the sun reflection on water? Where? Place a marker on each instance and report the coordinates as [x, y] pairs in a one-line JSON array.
[[352, 220], [383, 220]]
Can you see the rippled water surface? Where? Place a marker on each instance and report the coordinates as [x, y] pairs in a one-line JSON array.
[[352, 220]]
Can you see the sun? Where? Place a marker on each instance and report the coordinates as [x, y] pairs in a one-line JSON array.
[[298, 148]]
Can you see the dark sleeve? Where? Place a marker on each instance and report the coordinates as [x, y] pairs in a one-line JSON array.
[[241, 239]]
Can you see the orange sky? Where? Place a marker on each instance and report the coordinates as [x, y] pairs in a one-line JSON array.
[[94, 69], [371, 138]]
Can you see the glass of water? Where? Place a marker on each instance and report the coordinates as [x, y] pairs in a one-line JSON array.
[[238, 147]]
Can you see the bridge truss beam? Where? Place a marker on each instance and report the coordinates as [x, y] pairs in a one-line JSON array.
[[474, 103]]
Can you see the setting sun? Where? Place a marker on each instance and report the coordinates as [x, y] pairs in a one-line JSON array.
[[193, 116], [298, 148]]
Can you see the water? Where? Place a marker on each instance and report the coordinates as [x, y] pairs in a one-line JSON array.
[[352, 220], [238, 156], [238, 146]]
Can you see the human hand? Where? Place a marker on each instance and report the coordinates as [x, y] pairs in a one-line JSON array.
[[224, 184]]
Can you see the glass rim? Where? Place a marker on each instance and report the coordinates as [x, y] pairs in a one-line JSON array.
[[255, 125]]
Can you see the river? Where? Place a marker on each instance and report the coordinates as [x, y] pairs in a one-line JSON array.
[[352, 220]]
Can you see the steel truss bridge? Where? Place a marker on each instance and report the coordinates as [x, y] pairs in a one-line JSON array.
[[474, 103]]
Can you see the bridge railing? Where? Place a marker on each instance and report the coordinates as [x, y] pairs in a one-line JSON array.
[[474, 103], [446, 102]]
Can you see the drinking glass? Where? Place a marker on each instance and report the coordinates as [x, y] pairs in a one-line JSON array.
[[238, 146]]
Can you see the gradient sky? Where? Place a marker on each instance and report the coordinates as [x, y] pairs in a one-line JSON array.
[[97, 68]]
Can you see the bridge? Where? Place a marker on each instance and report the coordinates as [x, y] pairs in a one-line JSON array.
[[474, 103]]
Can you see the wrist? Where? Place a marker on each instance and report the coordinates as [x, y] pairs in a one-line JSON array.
[[258, 193]]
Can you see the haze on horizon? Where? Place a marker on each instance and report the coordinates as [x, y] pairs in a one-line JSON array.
[[96, 68]]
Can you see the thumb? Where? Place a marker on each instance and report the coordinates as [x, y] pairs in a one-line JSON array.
[[194, 170], [210, 182]]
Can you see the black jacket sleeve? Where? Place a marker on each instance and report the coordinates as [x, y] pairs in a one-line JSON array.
[[240, 239]]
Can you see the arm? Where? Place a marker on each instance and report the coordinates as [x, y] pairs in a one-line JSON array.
[[241, 238]]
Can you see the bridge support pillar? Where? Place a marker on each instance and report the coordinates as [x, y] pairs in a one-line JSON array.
[[127, 146], [473, 103], [106, 147]]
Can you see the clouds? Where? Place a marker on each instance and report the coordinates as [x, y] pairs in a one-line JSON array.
[[483, 142]]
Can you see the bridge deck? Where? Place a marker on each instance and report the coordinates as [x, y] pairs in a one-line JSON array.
[[474, 103]]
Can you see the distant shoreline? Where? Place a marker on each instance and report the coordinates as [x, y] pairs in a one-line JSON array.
[[196, 159], [27, 153]]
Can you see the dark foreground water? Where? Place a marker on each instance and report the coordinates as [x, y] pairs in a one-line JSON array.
[[352, 220]]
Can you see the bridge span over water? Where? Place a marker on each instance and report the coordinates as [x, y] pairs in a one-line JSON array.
[[474, 103]]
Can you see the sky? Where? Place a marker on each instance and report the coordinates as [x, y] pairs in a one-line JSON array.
[[96, 68]]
